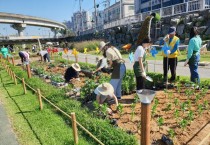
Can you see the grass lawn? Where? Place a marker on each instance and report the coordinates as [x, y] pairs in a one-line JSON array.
[[32, 126]]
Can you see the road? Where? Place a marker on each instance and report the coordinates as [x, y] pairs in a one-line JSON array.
[[204, 71]]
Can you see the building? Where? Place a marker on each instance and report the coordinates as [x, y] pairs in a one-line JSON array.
[[81, 21], [69, 24], [148, 5], [112, 13], [100, 18]]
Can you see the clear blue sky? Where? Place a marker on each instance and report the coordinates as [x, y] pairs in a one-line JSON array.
[[58, 10]]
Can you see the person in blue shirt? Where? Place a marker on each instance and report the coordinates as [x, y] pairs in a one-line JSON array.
[[193, 54]]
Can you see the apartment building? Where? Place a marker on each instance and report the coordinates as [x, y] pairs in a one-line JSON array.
[[100, 18], [125, 7]]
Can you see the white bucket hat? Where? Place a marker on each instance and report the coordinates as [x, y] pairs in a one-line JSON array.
[[102, 44], [105, 89], [76, 66]]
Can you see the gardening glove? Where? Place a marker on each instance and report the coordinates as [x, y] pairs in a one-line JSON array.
[[109, 111], [168, 52], [186, 62], [143, 74]]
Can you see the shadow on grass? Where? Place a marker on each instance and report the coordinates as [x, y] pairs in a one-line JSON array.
[[20, 111]]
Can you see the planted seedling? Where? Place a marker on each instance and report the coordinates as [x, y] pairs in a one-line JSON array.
[[120, 108], [184, 107], [176, 101], [176, 114], [171, 133], [136, 98], [96, 105], [197, 98], [103, 109], [183, 123], [170, 94], [189, 104], [178, 87], [206, 104], [168, 108], [154, 107], [190, 115], [200, 109], [160, 122], [133, 105]]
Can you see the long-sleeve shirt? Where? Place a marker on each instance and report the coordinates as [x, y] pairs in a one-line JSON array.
[[194, 45]]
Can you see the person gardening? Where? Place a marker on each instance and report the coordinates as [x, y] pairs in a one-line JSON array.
[[24, 55], [105, 94], [193, 54], [139, 66], [72, 73], [117, 63], [101, 65], [170, 59], [4, 51], [45, 55]]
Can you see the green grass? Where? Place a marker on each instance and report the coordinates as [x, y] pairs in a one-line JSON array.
[[31, 125]]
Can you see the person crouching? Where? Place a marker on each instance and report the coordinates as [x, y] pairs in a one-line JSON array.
[[72, 72]]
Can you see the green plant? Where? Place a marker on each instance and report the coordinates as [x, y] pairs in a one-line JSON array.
[[103, 109], [96, 105], [206, 104], [197, 98], [160, 121], [190, 115], [176, 114], [170, 94], [168, 107], [178, 87], [176, 101], [133, 105], [57, 78], [183, 123], [200, 109], [184, 106], [171, 133], [154, 107], [120, 108]]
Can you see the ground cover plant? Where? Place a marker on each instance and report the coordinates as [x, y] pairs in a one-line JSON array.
[[171, 110], [31, 125], [99, 127]]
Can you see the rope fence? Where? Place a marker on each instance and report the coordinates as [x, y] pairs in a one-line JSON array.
[[40, 97]]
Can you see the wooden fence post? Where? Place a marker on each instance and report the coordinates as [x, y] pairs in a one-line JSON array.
[[74, 127], [15, 80], [13, 61], [40, 99], [28, 71], [24, 85]]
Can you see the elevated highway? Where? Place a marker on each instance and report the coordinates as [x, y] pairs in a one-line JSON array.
[[19, 22]]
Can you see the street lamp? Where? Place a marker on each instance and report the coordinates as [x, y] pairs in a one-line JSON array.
[[146, 96]]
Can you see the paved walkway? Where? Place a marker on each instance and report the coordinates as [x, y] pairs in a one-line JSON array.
[[7, 136], [204, 71]]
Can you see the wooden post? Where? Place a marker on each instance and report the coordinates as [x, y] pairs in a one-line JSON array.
[[13, 61], [40, 99], [76, 58], [145, 124], [15, 80], [24, 85], [86, 60], [13, 76], [74, 127], [28, 70]]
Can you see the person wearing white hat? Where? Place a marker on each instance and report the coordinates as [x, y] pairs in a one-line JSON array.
[[72, 72], [105, 93], [117, 63], [101, 65]]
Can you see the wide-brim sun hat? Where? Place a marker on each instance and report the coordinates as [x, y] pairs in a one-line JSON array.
[[76, 66], [102, 44], [105, 89], [172, 30]]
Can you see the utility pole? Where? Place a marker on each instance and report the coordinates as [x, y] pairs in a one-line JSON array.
[[81, 16], [96, 19]]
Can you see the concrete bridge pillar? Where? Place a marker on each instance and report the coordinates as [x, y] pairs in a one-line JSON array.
[[19, 28], [55, 30]]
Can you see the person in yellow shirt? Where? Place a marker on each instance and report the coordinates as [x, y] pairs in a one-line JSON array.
[[171, 62]]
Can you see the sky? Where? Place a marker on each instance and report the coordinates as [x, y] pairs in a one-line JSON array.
[[57, 10]]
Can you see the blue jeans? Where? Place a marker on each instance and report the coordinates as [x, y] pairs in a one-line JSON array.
[[117, 83], [194, 70]]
